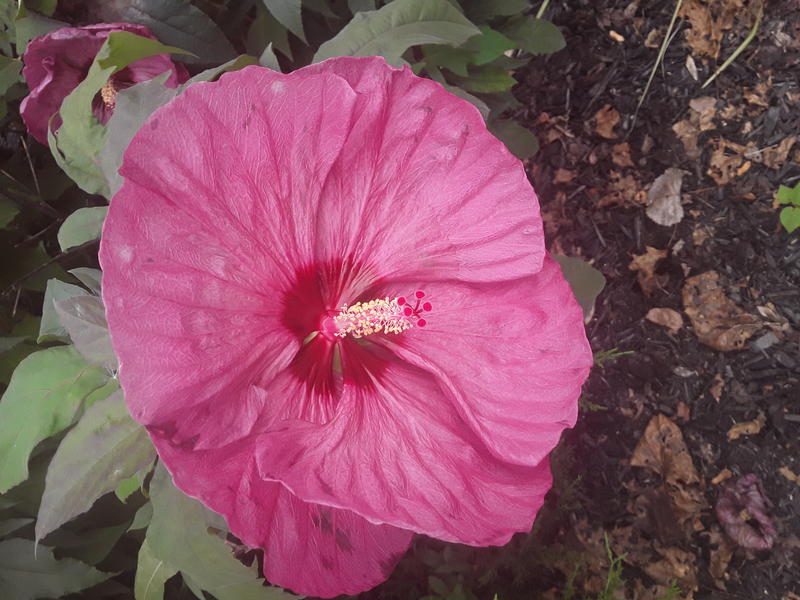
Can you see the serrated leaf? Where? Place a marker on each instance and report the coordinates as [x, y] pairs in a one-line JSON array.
[[518, 139], [81, 137], [393, 29], [29, 575], [179, 535], [83, 225], [91, 278], [84, 319], [151, 575], [586, 281], [790, 218], [289, 14], [45, 394], [104, 448], [178, 23], [50, 328], [536, 36]]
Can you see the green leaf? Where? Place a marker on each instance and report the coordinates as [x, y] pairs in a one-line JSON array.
[[26, 263], [133, 106], [267, 30], [518, 139], [28, 574], [11, 525], [179, 536], [481, 11], [269, 60], [8, 211], [10, 69], [104, 448], [50, 328], [81, 137], [127, 487], [151, 575], [790, 218], [84, 225], [178, 23], [289, 14], [240, 62], [46, 392], [536, 36], [45, 7], [33, 25], [91, 278], [361, 5], [486, 80], [787, 195], [143, 517], [393, 29], [586, 282]]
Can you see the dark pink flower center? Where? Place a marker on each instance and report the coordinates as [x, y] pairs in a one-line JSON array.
[[340, 341]]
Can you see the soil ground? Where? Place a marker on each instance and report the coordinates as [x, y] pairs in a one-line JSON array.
[[660, 518]]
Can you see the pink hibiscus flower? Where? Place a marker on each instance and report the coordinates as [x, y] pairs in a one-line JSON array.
[[57, 62], [330, 298]]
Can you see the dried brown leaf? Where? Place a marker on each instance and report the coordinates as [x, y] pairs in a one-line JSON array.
[[665, 317], [644, 265], [605, 120], [747, 428], [664, 198], [717, 321], [790, 475], [725, 161], [621, 155]]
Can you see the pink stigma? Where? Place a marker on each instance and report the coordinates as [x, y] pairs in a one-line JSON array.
[[382, 315]]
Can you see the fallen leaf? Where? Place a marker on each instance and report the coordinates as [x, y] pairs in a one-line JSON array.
[[665, 317], [682, 411], [747, 428], [742, 509], [605, 120], [663, 450], [709, 19], [664, 198], [653, 39], [720, 557], [623, 191], [644, 265], [704, 109], [723, 475], [790, 475], [676, 564], [621, 155], [775, 156], [725, 161], [563, 176], [701, 118], [716, 388], [717, 321], [701, 234]]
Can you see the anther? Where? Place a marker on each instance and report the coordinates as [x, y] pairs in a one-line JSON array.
[[382, 315]]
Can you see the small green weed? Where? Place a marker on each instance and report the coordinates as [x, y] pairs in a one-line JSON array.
[[604, 356], [790, 215]]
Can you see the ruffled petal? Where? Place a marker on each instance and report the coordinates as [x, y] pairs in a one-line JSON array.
[[421, 188], [310, 549], [400, 454], [512, 356], [207, 227]]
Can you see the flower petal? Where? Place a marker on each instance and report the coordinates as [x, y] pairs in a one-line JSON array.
[[199, 240], [400, 454], [512, 356], [421, 188], [310, 549]]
